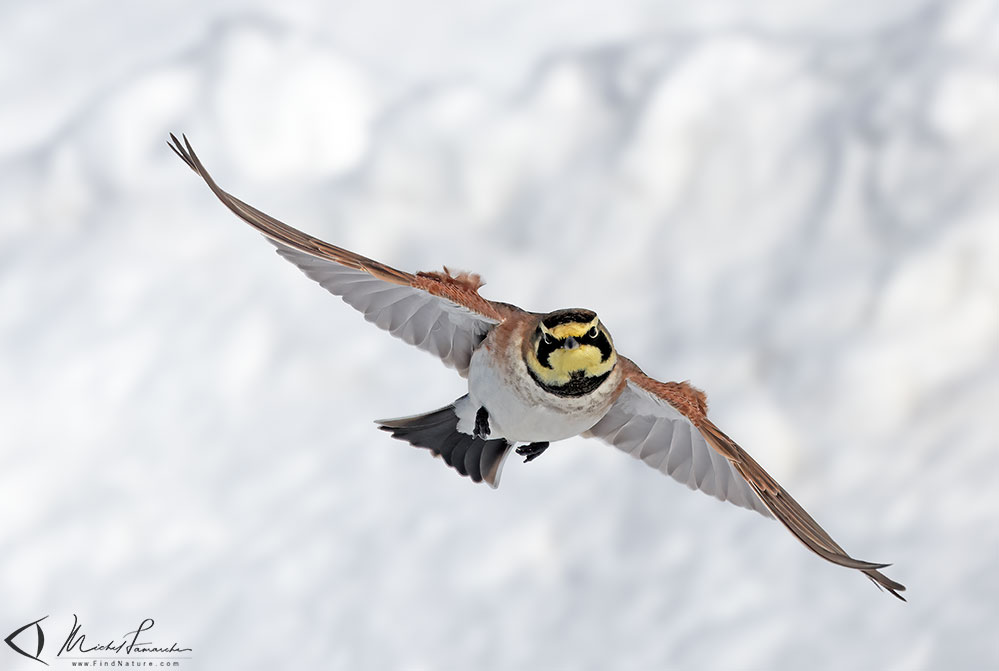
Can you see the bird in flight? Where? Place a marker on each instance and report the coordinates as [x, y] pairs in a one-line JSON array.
[[534, 379]]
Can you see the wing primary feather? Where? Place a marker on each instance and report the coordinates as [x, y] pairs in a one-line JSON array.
[[790, 513], [279, 231]]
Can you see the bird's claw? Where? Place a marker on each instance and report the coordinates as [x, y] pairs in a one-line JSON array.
[[532, 451]]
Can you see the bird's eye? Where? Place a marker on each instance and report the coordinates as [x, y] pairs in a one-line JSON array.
[[547, 338], [593, 332]]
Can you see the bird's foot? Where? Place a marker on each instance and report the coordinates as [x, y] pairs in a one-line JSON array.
[[532, 451], [481, 429]]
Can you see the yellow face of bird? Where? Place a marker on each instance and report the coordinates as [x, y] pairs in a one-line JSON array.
[[571, 353]]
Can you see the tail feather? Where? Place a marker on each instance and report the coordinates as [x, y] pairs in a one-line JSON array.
[[437, 431]]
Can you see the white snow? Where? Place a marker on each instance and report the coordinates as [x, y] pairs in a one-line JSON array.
[[793, 205]]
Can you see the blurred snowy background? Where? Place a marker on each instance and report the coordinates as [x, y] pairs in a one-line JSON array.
[[793, 205]]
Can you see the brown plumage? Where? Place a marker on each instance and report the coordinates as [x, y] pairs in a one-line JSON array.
[[663, 423]]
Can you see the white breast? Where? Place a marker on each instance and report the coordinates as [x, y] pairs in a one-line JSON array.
[[519, 410]]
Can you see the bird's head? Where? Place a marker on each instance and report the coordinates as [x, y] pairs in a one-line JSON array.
[[570, 352]]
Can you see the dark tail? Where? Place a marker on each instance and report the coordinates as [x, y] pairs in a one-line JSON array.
[[438, 432]]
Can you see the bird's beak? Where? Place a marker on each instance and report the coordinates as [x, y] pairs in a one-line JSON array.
[[570, 343]]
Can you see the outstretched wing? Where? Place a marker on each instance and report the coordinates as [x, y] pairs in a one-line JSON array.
[[440, 313], [665, 425]]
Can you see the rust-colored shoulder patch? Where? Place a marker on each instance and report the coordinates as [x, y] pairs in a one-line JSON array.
[[686, 398], [463, 279], [696, 398], [683, 396], [462, 288]]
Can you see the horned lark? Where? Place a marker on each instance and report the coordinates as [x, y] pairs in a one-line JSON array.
[[534, 379]]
